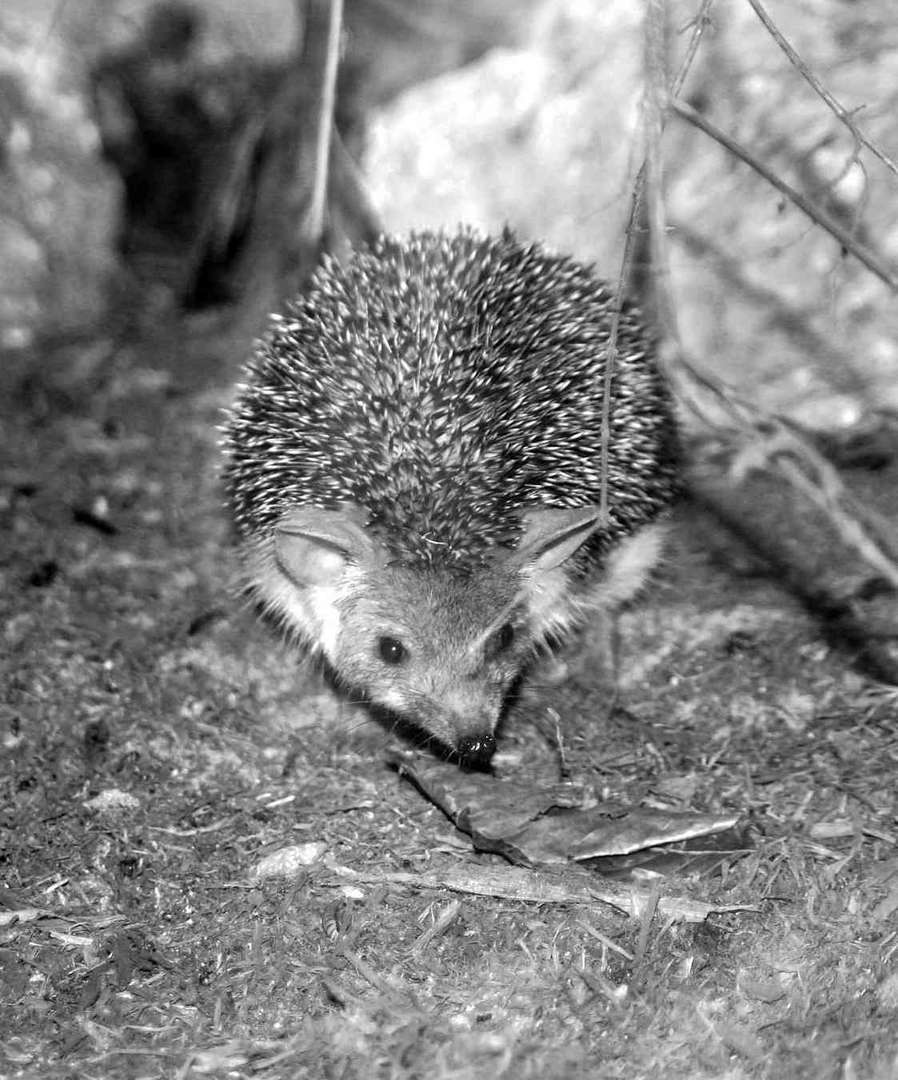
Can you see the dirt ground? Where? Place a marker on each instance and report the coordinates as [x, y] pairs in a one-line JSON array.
[[210, 869]]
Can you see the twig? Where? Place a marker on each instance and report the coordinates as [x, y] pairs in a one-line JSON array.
[[838, 109], [348, 178], [783, 447], [313, 226], [699, 23], [655, 101], [645, 928], [828, 493], [872, 261]]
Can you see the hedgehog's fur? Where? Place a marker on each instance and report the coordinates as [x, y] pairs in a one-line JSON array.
[[431, 395]]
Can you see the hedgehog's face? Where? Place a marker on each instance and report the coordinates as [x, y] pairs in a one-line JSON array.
[[437, 651], [432, 646]]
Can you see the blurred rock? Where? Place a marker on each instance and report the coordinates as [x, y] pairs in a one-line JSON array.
[[55, 208], [539, 137], [546, 138]]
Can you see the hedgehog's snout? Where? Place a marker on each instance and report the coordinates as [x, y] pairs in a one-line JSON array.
[[475, 752]]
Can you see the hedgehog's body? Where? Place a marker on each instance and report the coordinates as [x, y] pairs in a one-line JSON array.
[[415, 468]]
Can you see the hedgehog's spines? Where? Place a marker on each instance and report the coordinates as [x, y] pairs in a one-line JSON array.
[[445, 383]]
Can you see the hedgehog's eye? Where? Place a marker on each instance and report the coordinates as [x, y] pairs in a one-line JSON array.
[[501, 640], [391, 651]]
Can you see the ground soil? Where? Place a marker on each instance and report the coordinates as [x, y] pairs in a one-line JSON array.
[[160, 747]]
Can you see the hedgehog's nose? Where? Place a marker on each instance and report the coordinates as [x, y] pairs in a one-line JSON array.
[[475, 752]]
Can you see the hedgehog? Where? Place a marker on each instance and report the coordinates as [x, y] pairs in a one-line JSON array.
[[414, 466]]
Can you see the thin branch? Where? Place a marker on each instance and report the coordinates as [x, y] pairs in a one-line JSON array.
[[699, 23], [872, 261], [655, 115], [773, 442], [313, 226], [768, 440], [836, 106], [348, 178]]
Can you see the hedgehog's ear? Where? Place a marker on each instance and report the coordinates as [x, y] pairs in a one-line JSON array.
[[315, 547], [552, 535]]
